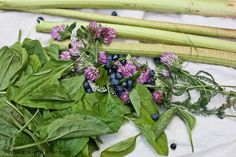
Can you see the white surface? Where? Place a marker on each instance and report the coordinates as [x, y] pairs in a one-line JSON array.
[[211, 136]]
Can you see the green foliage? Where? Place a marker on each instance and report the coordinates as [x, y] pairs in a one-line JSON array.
[[121, 148], [12, 61]]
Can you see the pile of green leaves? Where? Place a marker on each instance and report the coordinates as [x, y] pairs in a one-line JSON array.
[[45, 111]]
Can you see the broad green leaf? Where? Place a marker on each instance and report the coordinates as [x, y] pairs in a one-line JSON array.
[[85, 152], [120, 149], [35, 47], [159, 144], [164, 120], [7, 129], [135, 100], [52, 51], [103, 78], [74, 86], [23, 139], [106, 107], [146, 124], [12, 61], [41, 85], [148, 106], [69, 147], [75, 125], [190, 122]]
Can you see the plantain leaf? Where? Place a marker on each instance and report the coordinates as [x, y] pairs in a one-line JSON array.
[[164, 120], [75, 125], [44, 86], [190, 122], [120, 149], [68, 147], [135, 100], [12, 61]]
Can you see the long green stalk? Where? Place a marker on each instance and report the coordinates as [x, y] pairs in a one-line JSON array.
[[154, 35], [183, 28], [225, 8], [199, 55]]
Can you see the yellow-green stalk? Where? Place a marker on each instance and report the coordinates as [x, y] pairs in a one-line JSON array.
[[199, 55], [225, 8], [183, 28], [155, 35]]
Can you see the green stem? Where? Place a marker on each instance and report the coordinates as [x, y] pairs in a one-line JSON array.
[[14, 108], [225, 8], [176, 27], [30, 134], [199, 55], [154, 35], [26, 124]]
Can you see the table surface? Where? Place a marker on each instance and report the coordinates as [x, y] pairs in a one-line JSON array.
[[211, 136]]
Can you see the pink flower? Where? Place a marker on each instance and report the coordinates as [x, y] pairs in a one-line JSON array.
[[126, 70], [75, 46], [102, 57], [95, 29], [65, 55], [125, 97], [91, 73], [55, 32], [108, 35], [143, 78], [157, 96], [170, 59]]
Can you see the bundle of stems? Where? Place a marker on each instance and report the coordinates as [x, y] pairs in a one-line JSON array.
[[155, 35], [223, 8], [183, 28], [199, 55]]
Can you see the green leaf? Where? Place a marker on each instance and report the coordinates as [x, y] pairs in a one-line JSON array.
[[69, 147], [106, 107], [52, 51], [44, 85], [190, 122], [35, 47], [135, 100], [12, 61], [164, 120], [75, 125], [160, 143], [74, 86], [7, 129], [120, 149], [103, 77], [146, 124], [148, 106]]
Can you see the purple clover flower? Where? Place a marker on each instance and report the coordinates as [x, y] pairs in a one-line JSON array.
[[108, 34], [170, 59], [125, 97], [126, 70], [55, 32], [157, 96], [65, 55], [75, 46], [95, 28], [91, 73], [143, 78], [102, 57]]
